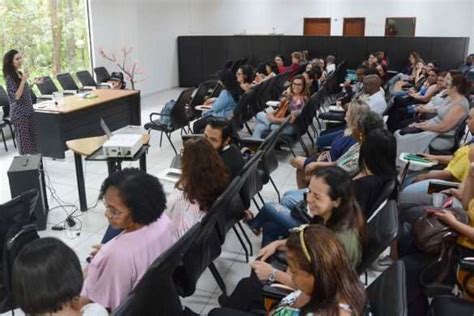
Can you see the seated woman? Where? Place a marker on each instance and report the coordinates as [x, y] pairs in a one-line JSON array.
[[415, 261], [190, 199], [409, 74], [332, 203], [382, 72], [245, 77], [47, 279], [225, 104], [439, 100], [312, 80], [403, 107], [325, 280], [280, 62], [296, 61], [439, 131], [271, 70], [135, 202], [276, 219], [290, 105]]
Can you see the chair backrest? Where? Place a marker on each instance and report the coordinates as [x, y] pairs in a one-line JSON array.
[[244, 111], [387, 294], [67, 81], [85, 78], [179, 118], [382, 230], [266, 93], [156, 291], [47, 86], [101, 74], [448, 305], [251, 182], [200, 96], [281, 79], [460, 131], [216, 91], [4, 102], [385, 195]]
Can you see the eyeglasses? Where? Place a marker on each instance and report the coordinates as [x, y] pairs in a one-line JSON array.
[[300, 229], [238, 73], [112, 211]]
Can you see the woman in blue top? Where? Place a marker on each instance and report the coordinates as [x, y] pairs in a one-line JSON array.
[[21, 103], [225, 104]]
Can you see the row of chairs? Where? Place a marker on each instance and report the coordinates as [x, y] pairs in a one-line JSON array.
[[68, 83]]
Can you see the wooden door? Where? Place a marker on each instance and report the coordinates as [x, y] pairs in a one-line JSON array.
[[354, 27], [317, 26]]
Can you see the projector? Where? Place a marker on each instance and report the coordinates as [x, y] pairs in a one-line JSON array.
[[122, 145]]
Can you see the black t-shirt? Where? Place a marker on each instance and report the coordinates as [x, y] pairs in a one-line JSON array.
[[367, 191], [232, 159]]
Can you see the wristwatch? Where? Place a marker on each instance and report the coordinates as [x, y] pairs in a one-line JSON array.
[[272, 276]]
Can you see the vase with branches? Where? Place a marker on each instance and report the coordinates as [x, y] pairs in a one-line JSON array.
[[131, 71]]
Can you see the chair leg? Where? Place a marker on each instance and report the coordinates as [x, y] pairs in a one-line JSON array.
[[276, 189], [161, 138], [169, 139], [4, 141], [303, 145], [242, 243], [12, 132], [246, 238], [248, 128], [310, 137], [261, 198], [256, 204], [217, 276]]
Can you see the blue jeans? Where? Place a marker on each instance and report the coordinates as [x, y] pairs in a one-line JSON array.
[[292, 197], [264, 126], [276, 220], [326, 139]]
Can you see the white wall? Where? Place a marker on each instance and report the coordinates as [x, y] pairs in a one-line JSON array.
[[151, 26], [151, 29]]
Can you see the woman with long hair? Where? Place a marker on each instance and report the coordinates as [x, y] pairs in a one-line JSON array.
[[224, 104], [189, 201], [290, 105], [21, 103], [324, 279]]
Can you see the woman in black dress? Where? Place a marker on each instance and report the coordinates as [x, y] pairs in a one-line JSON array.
[[21, 104]]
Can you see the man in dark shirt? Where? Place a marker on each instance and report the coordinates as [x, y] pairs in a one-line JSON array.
[[218, 132]]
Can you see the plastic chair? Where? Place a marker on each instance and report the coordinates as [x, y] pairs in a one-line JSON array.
[[388, 192], [382, 230], [67, 82], [387, 294], [179, 119]]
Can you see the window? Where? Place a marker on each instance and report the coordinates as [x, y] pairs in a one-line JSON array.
[[400, 27], [52, 35]]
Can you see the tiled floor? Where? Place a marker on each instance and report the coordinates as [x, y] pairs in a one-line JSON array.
[[61, 180]]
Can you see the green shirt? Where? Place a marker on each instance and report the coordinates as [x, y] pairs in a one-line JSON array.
[[351, 241]]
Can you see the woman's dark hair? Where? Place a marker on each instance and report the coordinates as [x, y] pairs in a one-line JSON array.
[[46, 276], [273, 66], [141, 192], [348, 214], [311, 74], [8, 68], [335, 281], [461, 84], [416, 57], [204, 176], [369, 121], [228, 80], [378, 153], [247, 72]]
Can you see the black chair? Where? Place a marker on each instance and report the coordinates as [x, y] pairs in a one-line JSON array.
[[266, 93], [67, 82], [281, 80], [448, 305], [156, 293], [244, 111], [387, 294], [459, 133], [382, 230], [6, 121], [200, 96], [101, 74], [216, 91], [388, 192], [178, 117], [85, 78], [47, 87]]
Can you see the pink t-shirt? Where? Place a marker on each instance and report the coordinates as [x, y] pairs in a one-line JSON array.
[[120, 263]]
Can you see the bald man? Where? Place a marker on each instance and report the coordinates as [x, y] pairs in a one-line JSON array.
[[375, 95]]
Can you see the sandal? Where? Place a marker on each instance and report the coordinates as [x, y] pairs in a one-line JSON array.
[[248, 216]]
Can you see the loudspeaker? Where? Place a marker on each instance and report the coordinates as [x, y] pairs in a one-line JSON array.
[[26, 173]]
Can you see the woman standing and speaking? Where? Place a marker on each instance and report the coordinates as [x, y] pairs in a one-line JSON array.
[[21, 104]]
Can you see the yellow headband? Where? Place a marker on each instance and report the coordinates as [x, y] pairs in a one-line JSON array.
[[300, 230]]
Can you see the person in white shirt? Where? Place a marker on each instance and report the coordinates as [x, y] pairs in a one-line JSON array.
[[330, 64], [374, 97]]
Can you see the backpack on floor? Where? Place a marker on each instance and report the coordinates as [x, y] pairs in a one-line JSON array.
[[165, 117]]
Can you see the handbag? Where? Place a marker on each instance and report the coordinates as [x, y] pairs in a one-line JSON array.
[[410, 130], [282, 110]]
